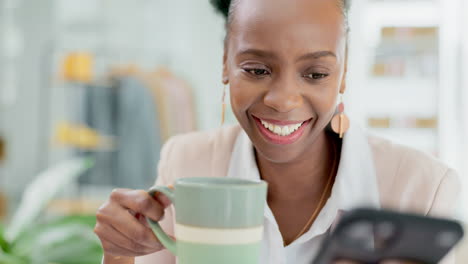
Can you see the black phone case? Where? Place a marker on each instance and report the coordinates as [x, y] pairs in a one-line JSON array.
[[369, 236]]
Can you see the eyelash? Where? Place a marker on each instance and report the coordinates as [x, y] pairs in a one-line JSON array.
[[254, 72], [257, 72], [316, 76]]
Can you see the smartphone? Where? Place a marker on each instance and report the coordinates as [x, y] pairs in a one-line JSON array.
[[371, 236]]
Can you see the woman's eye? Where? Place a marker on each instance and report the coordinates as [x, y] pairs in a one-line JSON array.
[[316, 76], [257, 72]]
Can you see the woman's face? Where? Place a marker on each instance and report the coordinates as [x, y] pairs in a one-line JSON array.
[[285, 62]]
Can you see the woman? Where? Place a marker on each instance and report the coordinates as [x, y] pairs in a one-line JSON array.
[[286, 64]]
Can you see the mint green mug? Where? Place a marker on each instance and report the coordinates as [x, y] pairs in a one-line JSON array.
[[218, 220]]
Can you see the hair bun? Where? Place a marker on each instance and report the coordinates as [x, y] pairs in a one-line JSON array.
[[221, 6]]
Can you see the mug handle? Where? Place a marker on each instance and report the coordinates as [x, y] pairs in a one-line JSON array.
[[165, 240]]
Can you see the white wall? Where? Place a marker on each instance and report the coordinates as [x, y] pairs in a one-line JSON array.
[[20, 122], [185, 35], [464, 109]]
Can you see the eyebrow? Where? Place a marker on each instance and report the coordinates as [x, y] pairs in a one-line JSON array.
[[257, 53], [268, 54], [317, 55]]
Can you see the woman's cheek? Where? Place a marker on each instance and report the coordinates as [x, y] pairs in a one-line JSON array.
[[242, 96]]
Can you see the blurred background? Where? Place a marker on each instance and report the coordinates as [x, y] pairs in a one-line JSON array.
[[91, 89]]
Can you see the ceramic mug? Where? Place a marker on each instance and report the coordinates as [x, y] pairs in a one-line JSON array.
[[218, 220]]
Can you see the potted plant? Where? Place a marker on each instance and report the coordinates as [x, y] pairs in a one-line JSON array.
[[31, 238]]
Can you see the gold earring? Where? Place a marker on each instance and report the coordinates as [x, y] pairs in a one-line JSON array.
[[340, 122], [223, 111]]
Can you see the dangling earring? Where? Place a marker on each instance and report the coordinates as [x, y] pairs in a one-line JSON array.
[[340, 122], [223, 111]]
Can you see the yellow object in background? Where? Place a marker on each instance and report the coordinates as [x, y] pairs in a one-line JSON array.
[[2, 149], [379, 122], [82, 137], [426, 123], [78, 66], [86, 137], [403, 122]]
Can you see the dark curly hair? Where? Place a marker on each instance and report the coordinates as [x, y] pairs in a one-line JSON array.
[[221, 6], [224, 8]]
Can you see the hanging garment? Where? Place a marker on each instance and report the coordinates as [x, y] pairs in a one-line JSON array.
[[138, 133], [178, 114], [100, 105], [126, 110]]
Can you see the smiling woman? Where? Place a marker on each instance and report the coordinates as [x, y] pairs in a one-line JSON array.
[[286, 68], [286, 65]]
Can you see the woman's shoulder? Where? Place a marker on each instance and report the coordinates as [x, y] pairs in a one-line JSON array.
[[204, 143], [394, 156], [410, 179], [197, 154]]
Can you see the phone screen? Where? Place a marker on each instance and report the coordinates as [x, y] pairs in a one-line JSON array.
[[367, 236]]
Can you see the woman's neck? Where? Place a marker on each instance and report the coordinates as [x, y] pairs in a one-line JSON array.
[[303, 178]]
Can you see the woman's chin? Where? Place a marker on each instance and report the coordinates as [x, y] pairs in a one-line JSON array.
[[278, 157], [277, 153]]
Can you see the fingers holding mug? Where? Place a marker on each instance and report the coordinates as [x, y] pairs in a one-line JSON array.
[[120, 232]]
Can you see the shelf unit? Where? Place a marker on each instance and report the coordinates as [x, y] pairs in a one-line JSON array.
[[406, 94]]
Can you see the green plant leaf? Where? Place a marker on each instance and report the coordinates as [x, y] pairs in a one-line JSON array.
[[68, 240], [4, 245], [71, 243], [11, 259], [36, 196]]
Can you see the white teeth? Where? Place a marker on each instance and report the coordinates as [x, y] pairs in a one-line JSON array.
[[281, 130], [277, 130], [296, 127]]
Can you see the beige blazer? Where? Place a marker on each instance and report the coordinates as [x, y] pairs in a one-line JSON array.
[[408, 180]]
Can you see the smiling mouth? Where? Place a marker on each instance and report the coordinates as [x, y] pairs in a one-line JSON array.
[[281, 132]]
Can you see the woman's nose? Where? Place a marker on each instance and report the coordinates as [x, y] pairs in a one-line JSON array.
[[283, 97]]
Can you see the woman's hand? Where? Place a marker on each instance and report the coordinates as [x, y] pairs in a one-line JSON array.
[[121, 225]]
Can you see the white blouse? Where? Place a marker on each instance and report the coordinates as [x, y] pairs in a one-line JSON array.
[[355, 186], [412, 182]]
